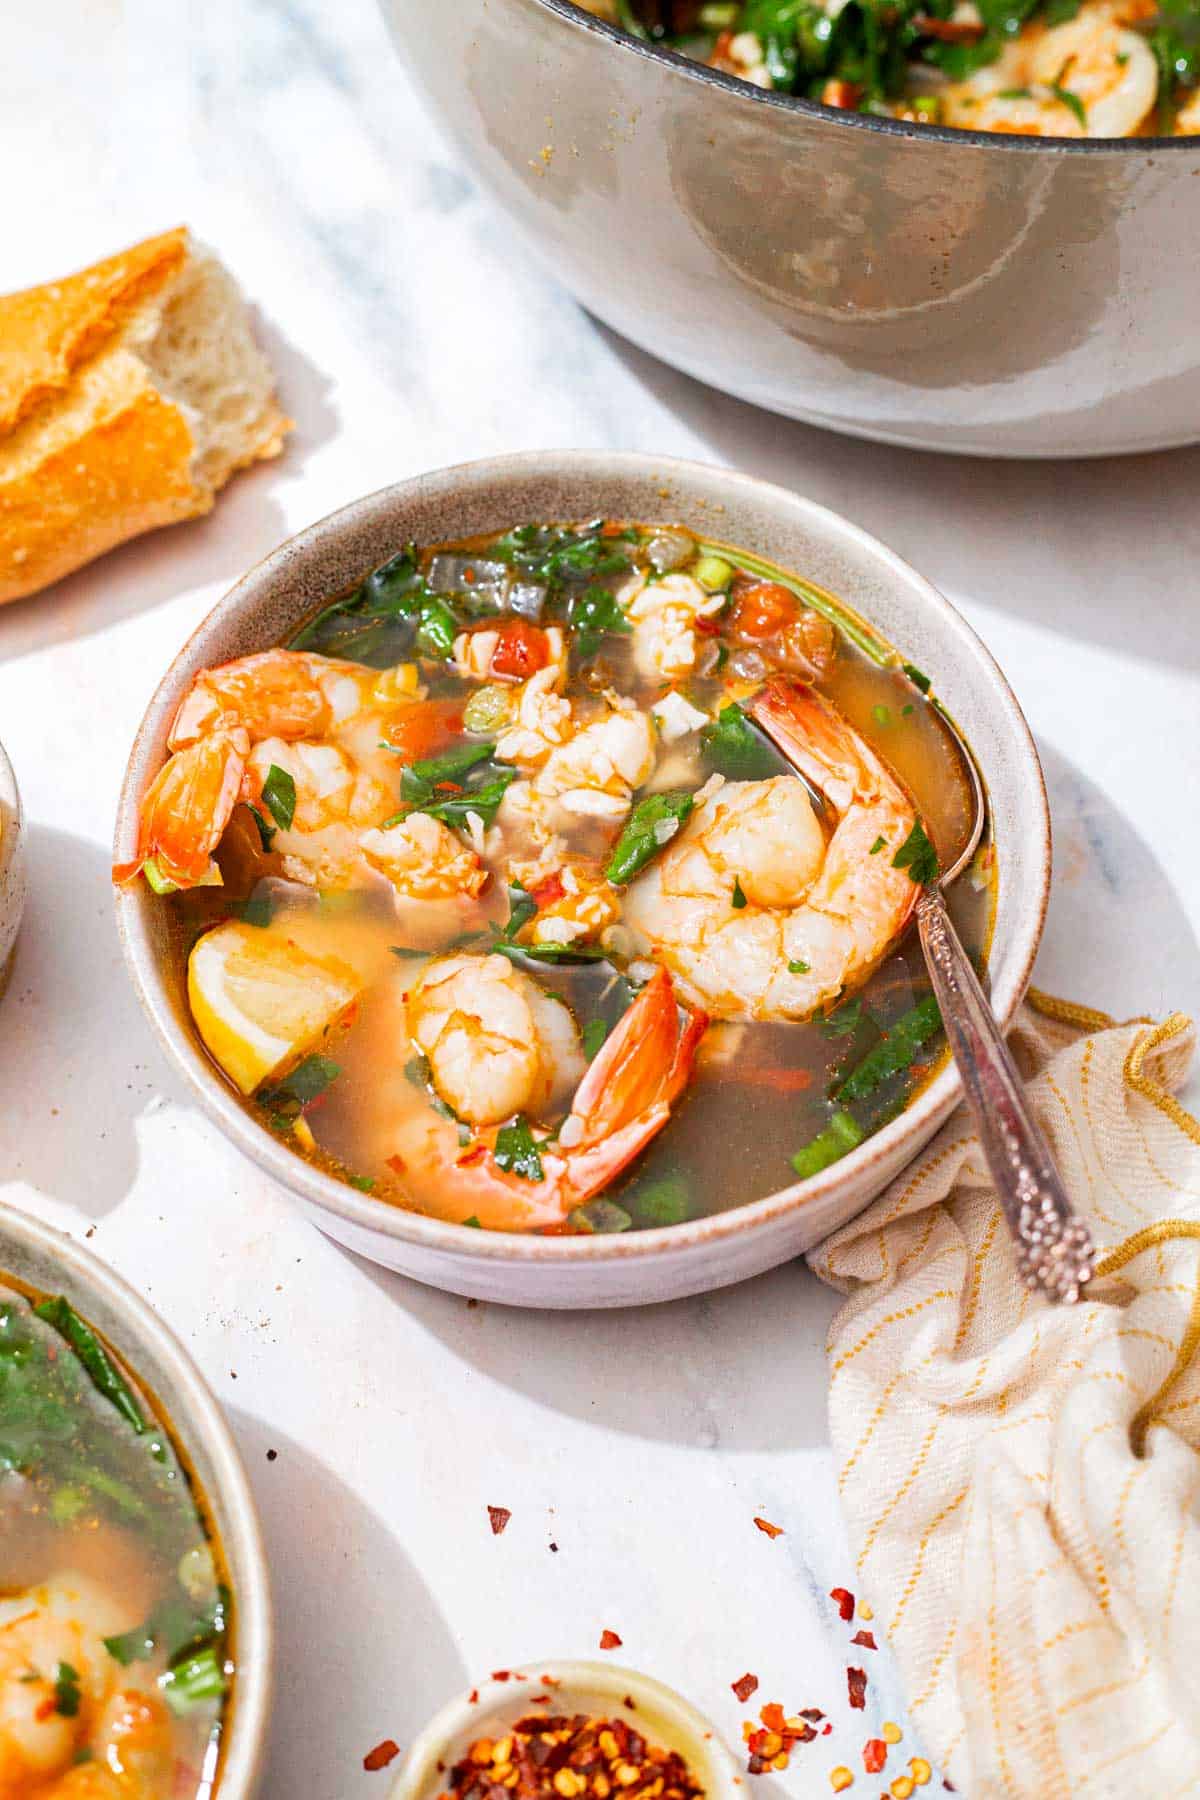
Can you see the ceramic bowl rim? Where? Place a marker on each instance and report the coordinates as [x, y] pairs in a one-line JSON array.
[[360, 1210], [614, 1679], [955, 136], [196, 1417]]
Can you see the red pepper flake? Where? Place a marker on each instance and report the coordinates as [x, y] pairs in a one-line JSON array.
[[473, 1697], [551, 1681], [874, 1755], [825, 1730], [396, 1164], [630, 1702], [539, 1699], [866, 1639], [381, 1755], [744, 1686], [473, 1155], [501, 1674], [499, 1517], [772, 1531], [778, 1737], [844, 1600], [856, 1681], [448, 787], [609, 1640], [772, 1716], [812, 1713]]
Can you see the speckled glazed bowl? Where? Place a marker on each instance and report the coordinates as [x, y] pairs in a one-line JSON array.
[[601, 1690], [955, 290], [14, 882], [53, 1263], [265, 608]]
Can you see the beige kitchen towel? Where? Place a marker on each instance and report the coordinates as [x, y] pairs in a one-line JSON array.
[[1022, 1483]]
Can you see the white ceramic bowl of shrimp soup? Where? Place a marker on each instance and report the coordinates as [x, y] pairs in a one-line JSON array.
[[596, 1690], [91, 1561], [757, 1229]]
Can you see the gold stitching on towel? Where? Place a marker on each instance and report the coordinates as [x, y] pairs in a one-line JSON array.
[[1165, 1231], [1153, 1090], [1067, 1012]]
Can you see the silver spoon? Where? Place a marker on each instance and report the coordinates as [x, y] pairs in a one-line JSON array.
[[1053, 1245]]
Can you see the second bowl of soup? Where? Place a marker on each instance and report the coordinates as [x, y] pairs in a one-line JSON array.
[[455, 870]]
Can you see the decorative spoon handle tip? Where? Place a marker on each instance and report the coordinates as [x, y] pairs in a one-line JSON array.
[[1053, 1245]]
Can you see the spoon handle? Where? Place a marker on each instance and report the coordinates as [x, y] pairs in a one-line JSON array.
[[1053, 1245]]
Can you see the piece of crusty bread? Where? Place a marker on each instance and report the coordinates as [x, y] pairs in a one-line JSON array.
[[129, 394]]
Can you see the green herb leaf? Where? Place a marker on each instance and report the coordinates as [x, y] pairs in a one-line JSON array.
[[549, 953], [917, 677], [289, 1097], [738, 898], [521, 908], [798, 968], [516, 1151], [877, 846], [419, 779], [918, 856], [1071, 100], [653, 822], [841, 1023], [562, 555], [897, 1050], [842, 1134], [590, 616], [733, 747], [882, 716], [600, 1216], [105, 1376], [665, 1201], [364, 1183], [405, 954], [66, 1690], [279, 793], [592, 1037], [437, 629], [266, 833], [473, 1222]]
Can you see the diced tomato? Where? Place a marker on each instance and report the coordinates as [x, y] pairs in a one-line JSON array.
[[761, 609], [550, 890], [522, 650], [424, 728]]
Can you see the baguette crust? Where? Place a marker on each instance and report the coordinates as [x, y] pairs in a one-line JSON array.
[[47, 331], [92, 451]]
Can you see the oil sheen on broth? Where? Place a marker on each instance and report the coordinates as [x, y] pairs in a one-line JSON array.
[[521, 830], [115, 1616]]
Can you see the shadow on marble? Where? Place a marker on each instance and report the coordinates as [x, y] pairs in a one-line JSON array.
[[89, 1062], [738, 1370], [339, 1580], [1110, 528], [1108, 884], [246, 523]]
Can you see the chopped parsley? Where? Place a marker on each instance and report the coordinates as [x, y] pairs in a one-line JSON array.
[[798, 967], [516, 1150], [882, 715], [738, 898], [591, 615], [279, 796], [877, 846], [288, 1098], [918, 856], [592, 1037], [66, 1690]]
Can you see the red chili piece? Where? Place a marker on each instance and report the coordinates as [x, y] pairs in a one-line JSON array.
[[856, 1681], [772, 1531], [866, 1639], [499, 1517], [521, 651], [744, 1686], [381, 1755], [609, 1640], [845, 1602], [874, 1755]]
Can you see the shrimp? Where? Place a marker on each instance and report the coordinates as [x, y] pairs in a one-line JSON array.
[[492, 1049], [423, 859], [663, 614], [1107, 71], [62, 1623], [320, 722], [754, 910]]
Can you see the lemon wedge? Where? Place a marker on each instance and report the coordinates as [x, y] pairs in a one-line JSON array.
[[260, 1002]]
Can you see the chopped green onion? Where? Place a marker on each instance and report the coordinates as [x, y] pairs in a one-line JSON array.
[[156, 880], [897, 1050], [663, 1202], [61, 1316], [194, 1681], [600, 1216], [712, 572], [842, 1134], [917, 677], [799, 968]]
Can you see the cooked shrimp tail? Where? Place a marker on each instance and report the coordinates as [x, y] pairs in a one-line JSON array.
[[186, 809]]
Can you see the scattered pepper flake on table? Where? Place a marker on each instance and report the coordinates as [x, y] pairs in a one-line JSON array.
[[609, 1640], [381, 1755], [571, 1758], [771, 1746], [843, 1599], [874, 1755], [772, 1531], [498, 1517], [866, 1639], [856, 1681], [890, 1732], [744, 1686]]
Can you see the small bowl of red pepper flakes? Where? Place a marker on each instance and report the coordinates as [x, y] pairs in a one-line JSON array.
[[568, 1731]]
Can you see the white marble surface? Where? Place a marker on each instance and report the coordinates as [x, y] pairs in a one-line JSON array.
[[411, 332]]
